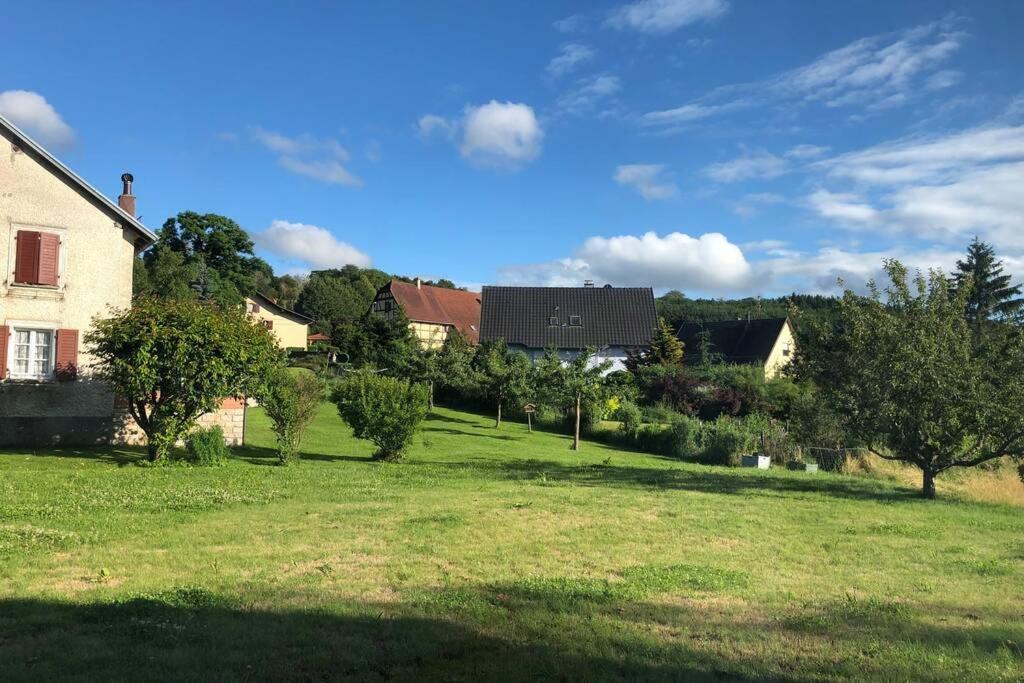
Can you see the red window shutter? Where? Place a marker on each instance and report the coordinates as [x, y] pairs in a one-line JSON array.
[[26, 259], [5, 333], [269, 324], [49, 259], [66, 356]]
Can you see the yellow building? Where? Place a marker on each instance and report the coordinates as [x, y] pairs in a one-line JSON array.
[[433, 312], [67, 252], [290, 328], [766, 342]]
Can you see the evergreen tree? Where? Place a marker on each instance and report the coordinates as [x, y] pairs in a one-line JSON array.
[[991, 296]]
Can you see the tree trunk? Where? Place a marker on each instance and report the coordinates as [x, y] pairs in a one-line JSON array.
[[430, 395], [928, 482], [576, 435], [151, 451], [497, 423]]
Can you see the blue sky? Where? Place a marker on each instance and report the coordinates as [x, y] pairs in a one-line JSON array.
[[721, 147]]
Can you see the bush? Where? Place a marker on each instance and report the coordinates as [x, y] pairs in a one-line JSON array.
[[291, 400], [726, 441], [384, 410], [683, 437], [631, 418], [206, 447]]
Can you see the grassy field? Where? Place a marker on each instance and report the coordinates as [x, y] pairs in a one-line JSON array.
[[493, 554]]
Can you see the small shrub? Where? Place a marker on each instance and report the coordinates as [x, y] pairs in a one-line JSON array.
[[631, 418], [206, 447], [384, 410], [683, 437], [291, 400], [726, 441]]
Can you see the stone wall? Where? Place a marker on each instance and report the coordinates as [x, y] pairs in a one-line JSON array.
[[230, 417]]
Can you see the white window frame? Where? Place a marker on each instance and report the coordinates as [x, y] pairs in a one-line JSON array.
[[12, 252], [33, 326]]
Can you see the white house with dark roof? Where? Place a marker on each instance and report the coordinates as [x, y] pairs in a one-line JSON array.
[[610, 320]]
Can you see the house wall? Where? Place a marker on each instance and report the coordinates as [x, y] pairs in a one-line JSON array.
[[96, 275], [781, 354], [615, 354], [430, 335], [290, 333]]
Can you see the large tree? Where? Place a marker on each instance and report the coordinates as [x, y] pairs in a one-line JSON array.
[[666, 349], [991, 294], [174, 359], [905, 375], [217, 252]]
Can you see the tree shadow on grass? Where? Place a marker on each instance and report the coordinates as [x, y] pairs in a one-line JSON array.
[[559, 629], [698, 478], [261, 455], [120, 456]]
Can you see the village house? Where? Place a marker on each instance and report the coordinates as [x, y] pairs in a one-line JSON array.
[[433, 312], [67, 253], [290, 328], [611, 320], [766, 342]]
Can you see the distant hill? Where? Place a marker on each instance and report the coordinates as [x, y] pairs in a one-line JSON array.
[[676, 308]]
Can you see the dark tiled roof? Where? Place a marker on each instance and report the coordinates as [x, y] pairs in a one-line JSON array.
[[266, 302], [737, 341], [439, 305], [609, 316]]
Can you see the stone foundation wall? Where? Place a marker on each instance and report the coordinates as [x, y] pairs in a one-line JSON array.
[[230, 417]]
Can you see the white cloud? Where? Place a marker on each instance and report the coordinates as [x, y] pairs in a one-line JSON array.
[[501, 134], [573, 23], [330, 171], [941, 188], [317, 158], [309, 246], [804, 152], [871, 73], [571, 56], [429, 124], [588, 93], [647, 179], [709, 263], [842, 206], [753, 164], [33, 114], [665, 16]]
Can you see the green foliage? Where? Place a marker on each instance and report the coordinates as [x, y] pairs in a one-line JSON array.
[[503, 375], [205, 447], [910, 383], [676, 308], [665, 349], [291, 400], [990, 294], [576, 386], [726, 440], [340, 297], [386, 344], [213, 258], [684, 437], [173, 360], [630, 416], [384, 410]]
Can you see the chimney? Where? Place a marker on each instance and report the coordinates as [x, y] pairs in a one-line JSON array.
[[127, 200], [588, 283], [419, 283]]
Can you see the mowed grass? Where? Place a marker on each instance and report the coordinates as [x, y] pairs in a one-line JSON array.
[[493, 555]]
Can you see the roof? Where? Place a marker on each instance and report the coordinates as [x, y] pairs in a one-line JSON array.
[[318, 336], [608, 316], [266, 302], [119, 214], [439, 305], [738, 341]]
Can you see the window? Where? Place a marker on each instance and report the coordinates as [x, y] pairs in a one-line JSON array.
[[269, 324], [32, 354], [553, 321], [575, 321], [255, 308], [37, 258], [785, 349]]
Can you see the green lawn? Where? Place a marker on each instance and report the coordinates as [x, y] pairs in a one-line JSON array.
[[493, 554]]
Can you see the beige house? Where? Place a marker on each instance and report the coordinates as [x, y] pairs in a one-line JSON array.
[[67, 254], [766, 342], [290, 328], [433, 312]]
